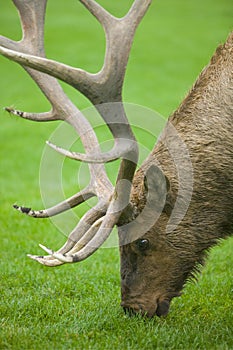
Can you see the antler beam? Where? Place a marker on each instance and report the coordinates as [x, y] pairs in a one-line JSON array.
[[104, 90]]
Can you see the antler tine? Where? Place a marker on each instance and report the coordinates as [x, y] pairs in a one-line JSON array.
[[38, 117], [119, 150], [103, 16], [67, 204], [137, 11]]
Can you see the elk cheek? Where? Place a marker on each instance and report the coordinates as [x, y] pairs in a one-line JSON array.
[[163, 308]]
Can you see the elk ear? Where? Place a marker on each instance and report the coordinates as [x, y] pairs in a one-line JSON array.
[[155, 178], [155, 191], [160, 189], [156, 186]]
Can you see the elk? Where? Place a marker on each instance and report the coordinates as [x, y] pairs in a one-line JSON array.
[[179, 203]]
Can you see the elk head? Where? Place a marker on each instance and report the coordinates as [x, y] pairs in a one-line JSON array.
[[154, 232], [184, 206]]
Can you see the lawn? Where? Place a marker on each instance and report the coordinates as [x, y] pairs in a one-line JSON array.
[[78, 306]]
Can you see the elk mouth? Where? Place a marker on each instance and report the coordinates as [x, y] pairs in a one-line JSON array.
[[159, 309]]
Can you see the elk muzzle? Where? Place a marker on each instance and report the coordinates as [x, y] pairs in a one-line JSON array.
[[159, 308]]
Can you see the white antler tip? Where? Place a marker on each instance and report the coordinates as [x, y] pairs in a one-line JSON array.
[[33, 257], [58, 149], [50, 144], [47, 250]]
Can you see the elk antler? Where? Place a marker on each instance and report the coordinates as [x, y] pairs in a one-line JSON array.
[[104, 90]]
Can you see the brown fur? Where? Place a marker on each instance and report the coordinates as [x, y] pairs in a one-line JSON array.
[[204, 122]]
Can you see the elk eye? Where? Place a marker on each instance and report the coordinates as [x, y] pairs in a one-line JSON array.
[[142, 244]]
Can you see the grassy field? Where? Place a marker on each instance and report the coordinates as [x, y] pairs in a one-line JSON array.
[[77, 306]]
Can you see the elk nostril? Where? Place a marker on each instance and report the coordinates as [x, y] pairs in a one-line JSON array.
[[163, 308]]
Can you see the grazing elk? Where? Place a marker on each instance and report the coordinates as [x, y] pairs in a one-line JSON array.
[[179, 203]]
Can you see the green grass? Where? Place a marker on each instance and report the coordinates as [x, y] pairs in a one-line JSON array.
[[77, 306]]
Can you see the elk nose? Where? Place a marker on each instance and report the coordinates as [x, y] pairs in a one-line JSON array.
[[163, 308]]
